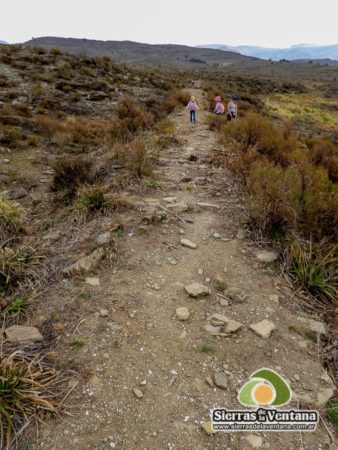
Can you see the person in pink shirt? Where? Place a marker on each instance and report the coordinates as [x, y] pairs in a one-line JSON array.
[[192, 108]]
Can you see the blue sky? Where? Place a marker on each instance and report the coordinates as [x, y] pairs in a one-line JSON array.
[[272, 23]]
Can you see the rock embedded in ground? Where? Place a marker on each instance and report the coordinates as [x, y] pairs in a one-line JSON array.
[[103, 312], [267, 256], [86, 264], [187, 243], [207, 428], [182, 313], [207, 205], [230, 325], [324, 395], [178, 207], [254, 440], [241, 234], [16, 193], [169, 199], [93, 281], [213, 330], [312, 325], [104, 238], [221, 380], [197, 290], [209, 381], [138, 393], [22, 334], [263, 328], [274, 298]]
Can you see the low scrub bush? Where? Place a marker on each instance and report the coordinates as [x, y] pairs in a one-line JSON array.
[[287, 184], [70, 172], [216, 122], [133, 115], [135, 158]]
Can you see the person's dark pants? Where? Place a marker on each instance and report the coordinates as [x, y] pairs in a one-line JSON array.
[[193, 116]]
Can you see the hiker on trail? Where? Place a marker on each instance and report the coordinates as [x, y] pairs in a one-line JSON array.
[[232, 108], [219, 108], [192, 107]]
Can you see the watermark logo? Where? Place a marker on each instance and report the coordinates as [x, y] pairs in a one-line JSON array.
[[265, 388], [263, 394]]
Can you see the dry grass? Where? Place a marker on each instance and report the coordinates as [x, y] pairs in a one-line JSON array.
[[31, 389], [70, 172], [17, 265], [11, 217]]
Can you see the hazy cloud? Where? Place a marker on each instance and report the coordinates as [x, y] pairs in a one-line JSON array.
[[263, 22]]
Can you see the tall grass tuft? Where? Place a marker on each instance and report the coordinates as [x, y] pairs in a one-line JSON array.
[[315, 269]]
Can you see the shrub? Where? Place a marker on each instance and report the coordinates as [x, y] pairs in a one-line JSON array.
[[274, 195], [70, 172], [10, 135], [135, 158], [11, 217], [216, 122], [165, 126], [47, 126], [133, 115]]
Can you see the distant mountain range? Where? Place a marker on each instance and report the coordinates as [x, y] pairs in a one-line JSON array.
[[3, 42], [296, 52]]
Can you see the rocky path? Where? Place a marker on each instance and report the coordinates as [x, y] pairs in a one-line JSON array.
[[154, 352]]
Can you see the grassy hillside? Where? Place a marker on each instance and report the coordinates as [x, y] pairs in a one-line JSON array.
[[138, 53]]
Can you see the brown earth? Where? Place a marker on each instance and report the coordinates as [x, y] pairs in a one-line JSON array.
[[142, 344]]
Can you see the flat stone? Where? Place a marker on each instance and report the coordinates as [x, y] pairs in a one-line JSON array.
[[263, 328], [211, 329], [178, 207], [274, 298], [86, 264], [103, 312], [93, 281], [16, 193], [138, 393], [209, 381], [200, 385], [182, 313], [254, 440], [197, 290], [207, 205], [18, 333], [313, 325], [242, 234], [104, 238], [223, 302], [200, 180], [267, 256], [169, 199], [54, 236], [221, 380], [189, 244], [230, 325], [207, 428], [324, 395]]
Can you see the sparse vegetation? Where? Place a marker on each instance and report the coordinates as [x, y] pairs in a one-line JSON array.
[[11, 217], [30, 390]]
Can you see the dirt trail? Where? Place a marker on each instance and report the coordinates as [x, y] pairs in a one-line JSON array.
[[142, 344]]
